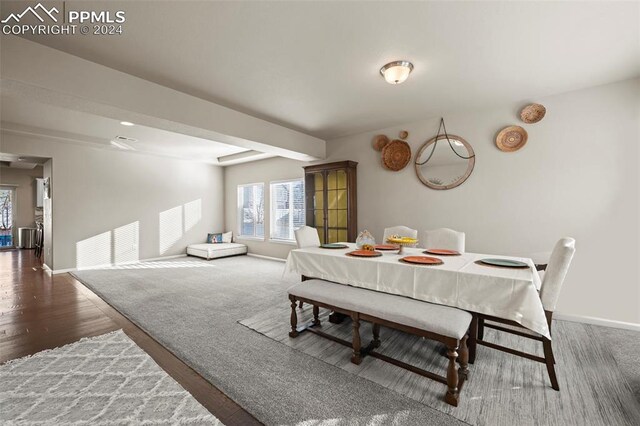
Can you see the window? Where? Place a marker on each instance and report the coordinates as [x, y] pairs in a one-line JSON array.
[[287, 209], [251, 210]]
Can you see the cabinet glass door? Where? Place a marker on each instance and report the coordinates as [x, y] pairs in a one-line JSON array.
[[337, 212], [319, 205]]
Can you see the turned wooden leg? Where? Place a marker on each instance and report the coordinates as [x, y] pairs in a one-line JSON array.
[[452, 377], [376, 335], [316, 313], [473, 339], [294, 318], [463, 359], [480, 328], [356, 358], [300, 305], [549, 360]]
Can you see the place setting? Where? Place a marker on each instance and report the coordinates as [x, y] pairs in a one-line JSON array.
[[441, 252], [334, 246], [421, 260], [502, 263]]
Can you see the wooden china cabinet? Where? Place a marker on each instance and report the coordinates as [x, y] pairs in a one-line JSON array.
[[331, 200]]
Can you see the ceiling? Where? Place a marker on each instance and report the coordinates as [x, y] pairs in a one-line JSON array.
[[27, 116], [313, 66], [21, 161]]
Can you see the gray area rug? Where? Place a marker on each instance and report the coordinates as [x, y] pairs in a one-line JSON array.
[[103, 380], [193, 310], [502, 388]]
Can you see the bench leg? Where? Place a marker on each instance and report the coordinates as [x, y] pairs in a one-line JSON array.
[[376, 335], [451, 397], [356, 358], [316, 313], [463, 359], [294, 318]]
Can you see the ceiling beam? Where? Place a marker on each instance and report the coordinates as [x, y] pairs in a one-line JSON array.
[[32, 70]]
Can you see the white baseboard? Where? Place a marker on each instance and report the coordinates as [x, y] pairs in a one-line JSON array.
[[47, 269], [596, 321], [108, 265], [277, 259]]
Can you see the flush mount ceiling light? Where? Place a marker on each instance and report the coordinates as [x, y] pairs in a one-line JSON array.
[[397, 71], [127, 123]]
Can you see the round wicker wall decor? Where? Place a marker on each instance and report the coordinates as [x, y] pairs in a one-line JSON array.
[[511, 138], [379, 142], [396, 155], [533, 113]]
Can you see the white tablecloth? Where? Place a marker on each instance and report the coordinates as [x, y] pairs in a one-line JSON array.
[[460, 282]]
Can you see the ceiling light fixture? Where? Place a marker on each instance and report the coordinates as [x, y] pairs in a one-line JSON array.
[[396, 72], [127, 123]]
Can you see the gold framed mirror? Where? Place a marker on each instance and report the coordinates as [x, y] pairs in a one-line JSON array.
[[444, 162]]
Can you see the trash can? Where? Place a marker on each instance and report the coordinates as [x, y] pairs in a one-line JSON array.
[[26, 238]]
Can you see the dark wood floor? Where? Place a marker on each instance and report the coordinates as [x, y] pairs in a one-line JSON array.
[[39, 312]]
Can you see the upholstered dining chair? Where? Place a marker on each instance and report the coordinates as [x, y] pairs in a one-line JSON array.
[[552, 281], [444, 238], [307, 236], [403, 231], [541, 260]]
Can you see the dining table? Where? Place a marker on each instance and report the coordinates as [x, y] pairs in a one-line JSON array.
[[460, 281]]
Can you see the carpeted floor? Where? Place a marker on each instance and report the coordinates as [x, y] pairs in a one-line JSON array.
[[193, 307], [103, 380], [502, 389]]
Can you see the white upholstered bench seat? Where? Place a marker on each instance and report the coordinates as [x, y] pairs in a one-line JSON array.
[[442, 323], [443, 320], [214, 251]]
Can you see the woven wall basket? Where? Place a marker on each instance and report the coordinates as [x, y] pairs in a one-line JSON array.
[[532, 113], [396, 155], [511, 138], [380, 142]]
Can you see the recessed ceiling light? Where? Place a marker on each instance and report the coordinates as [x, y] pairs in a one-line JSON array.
[[127, 123], [396, 72]]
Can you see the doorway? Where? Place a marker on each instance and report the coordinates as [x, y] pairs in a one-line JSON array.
[[7, 217]]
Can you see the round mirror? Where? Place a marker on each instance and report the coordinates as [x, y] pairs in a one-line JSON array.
[[443, 163]]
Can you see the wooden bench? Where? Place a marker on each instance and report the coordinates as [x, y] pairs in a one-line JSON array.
[[436, 322]]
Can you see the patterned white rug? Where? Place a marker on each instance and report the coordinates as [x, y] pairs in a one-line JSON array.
[[101, 380]]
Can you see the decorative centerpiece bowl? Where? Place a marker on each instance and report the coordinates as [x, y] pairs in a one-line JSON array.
[[365, 240], [402, 242]]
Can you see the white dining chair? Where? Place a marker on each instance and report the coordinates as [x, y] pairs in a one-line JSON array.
[[444, 238], [403, 231], [541, 260], [554, 276], [307, 236]]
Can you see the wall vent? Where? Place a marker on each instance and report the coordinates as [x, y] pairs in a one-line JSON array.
[[125, 139]]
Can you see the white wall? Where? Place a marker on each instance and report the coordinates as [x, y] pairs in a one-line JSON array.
[[577, 176], [265, 171], [111, 206]]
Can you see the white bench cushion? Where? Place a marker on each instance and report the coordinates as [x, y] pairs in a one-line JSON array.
[[213, 251], [439, 319]]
